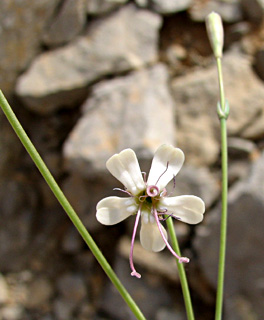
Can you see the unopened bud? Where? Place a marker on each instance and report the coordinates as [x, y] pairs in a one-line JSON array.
[[215, 33]]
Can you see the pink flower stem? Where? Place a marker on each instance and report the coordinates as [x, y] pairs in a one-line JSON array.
[[181, 259], [134, 273]]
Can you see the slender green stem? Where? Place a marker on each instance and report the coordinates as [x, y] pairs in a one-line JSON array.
[[223, 111], [66, 206], [181, 270]]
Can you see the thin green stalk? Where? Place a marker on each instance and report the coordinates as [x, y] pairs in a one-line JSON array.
[[223, 111], [181, 270], [66, 206]]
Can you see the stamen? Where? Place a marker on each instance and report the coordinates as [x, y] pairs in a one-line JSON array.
[[174, 186], [169, 215], [125, 191], [152, 191], [180, 259], [142, 198], [167, 166], [134, 273]]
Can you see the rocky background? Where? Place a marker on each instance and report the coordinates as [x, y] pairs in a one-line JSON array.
[[88, 78]]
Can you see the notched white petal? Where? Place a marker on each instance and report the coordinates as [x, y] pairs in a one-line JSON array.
[[189, 209], [113, 210], [150, 236], [166, 163], [125, 168]]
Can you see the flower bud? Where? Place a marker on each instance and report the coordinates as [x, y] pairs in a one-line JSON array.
[[215, 33]]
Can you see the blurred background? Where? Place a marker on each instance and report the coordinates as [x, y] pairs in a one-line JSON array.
[[88, 78]]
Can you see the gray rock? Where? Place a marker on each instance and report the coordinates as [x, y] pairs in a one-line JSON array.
[[230, 11], [68, 23], [12, 312], [244, 264], [63, 309], [4, 292], [199, 182], [16, 212], [259, 63], [149, 292], [142, 3], [123, 41], [196, 96], [254, 10], [169, 6], [20, 23], [98, 7], [39, 293], [72, 288], [133, 111], [168, 314]]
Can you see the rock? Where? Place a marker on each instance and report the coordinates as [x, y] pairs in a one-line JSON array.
[[72, 242], [259, 63], [134, 111], [67, 24], [4, 294], [230, 11], [20, 22], [197, 181], [12, 312], [97, 7], [157, 263], [168, 314], [72, 288], [244, 271], [196, 97], [149, 292], [125, 40], [39, 293], [254, 10], [17, 218], [239, 308], [63, 309], [169, 6], [142, 3]]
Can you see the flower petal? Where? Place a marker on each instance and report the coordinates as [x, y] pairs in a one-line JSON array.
[[150, 236], [125, 168], [113, 210], [166, 163], [189, 209]]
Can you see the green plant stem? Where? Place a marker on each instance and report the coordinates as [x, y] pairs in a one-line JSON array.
[[66, 206], [181, 270], [223, 111]]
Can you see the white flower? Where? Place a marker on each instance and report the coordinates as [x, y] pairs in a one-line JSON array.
[[149, 199]]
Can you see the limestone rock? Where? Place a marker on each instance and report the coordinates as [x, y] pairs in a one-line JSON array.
[[4, 292], [19, 43], [133, 111], [230, 11], [197, 181], [196, 96], [254, 10], [67, 24], [169, 6], [148, 292], [244, 264], [125, 40], [97, 7]]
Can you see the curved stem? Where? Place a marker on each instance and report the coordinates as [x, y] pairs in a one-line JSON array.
[[66, 206], [181, 270]]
